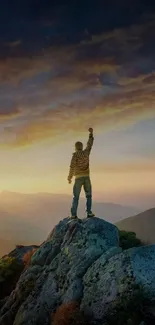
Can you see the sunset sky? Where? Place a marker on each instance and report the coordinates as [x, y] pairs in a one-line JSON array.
[[64, 68]]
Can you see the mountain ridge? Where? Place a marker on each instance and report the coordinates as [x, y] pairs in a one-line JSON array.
[[143, 224]]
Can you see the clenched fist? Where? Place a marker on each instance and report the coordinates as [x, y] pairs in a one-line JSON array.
[[90, 130]]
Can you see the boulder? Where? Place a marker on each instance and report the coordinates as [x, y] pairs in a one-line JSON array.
[[112, 277], [80, 261]]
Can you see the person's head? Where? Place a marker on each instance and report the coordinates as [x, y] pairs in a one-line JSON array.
[[78, 146]]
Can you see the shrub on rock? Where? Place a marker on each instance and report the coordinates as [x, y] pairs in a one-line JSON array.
[[10, 270], [27, 257], [128, 239]]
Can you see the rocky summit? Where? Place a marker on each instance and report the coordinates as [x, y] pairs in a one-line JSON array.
[[80, 261]]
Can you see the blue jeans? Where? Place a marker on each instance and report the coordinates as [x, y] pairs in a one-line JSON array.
[[86, 183]]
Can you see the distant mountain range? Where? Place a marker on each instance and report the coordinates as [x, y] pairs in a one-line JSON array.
[[27, 218], [142, 224]]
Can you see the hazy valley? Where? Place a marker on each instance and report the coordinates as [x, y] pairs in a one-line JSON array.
[[28, 218]]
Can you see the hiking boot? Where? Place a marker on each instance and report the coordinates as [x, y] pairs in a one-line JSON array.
[[73, 217], [90, 215]]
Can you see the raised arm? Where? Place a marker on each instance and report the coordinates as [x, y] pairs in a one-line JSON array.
[[90, 140], [72, 167]]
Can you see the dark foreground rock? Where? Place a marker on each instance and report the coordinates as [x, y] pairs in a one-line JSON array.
[[20, 251], [79, 261], [11, 267]]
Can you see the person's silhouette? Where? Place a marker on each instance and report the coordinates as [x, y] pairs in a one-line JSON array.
[[79, 167]]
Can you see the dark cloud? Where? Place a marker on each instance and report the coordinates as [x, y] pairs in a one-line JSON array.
[[149, 80], [8, 110], [75, 64], [70, 18]]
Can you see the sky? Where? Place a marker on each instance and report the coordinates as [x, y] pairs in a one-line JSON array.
[[68, 66]]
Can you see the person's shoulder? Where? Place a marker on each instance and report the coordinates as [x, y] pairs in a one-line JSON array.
[[85, 151]]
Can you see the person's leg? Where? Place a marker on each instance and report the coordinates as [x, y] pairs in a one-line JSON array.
[[76, 193], [88, 193]]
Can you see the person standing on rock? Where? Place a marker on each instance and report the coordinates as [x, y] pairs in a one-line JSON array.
[[79, 167]]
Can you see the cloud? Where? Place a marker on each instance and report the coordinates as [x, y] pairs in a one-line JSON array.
[[13, 71], [14, 43], [106, 82], [8, 111], [137, 167], [66, 122]]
